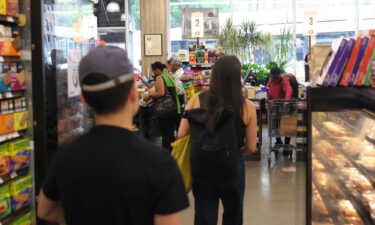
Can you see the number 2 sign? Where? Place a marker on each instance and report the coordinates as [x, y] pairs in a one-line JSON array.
[[197, 24]]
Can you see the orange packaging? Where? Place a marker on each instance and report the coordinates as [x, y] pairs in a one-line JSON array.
[[9, 47], [12, 8], [7, 123], [371, 32], [21, 119]]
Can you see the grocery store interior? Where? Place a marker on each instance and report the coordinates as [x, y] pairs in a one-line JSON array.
[[324, 176]]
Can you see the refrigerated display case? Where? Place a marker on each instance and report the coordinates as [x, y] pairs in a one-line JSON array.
[[341, 165], [63, 32]]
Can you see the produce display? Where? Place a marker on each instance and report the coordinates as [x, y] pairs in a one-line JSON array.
[[343, 169]]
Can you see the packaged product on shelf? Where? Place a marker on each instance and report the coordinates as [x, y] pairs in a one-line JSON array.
[[20, 104], [367, 161], [12, 8], [5, 31], [21, 119], [349, 214], [357, 146], [360, 182], [18, 77], [20, 154], [7, 123], [23, 220], [21, 193], [328, 185], [4, 159], [7, 106], [10, 46], [5, 206], [3, 7]]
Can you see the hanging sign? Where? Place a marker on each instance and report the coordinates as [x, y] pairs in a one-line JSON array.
[[197, 24], [310, 23]]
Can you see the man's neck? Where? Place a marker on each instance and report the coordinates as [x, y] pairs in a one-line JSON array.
[[122, 120]]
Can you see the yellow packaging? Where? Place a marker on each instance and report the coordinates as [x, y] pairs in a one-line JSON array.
[[21, 119], [5, 208], [20, 192], [23, 220], [3, 7]]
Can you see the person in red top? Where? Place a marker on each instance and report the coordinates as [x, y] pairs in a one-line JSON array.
[[279, 88]]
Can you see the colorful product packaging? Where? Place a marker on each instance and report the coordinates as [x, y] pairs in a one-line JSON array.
[[4, 159], [5, 205], [20, 120], [3, 7], [7, 123], [19, 152], [21, 193], [23, 220], [12, 8], [19, 104], [7, 106], [5, 32]]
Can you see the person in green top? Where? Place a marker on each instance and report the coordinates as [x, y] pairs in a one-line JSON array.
[[163, 84]]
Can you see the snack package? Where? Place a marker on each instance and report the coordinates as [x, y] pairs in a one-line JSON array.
[[19, 152], [20, 120], [20, 104], [6, 123], [12, 8], [5, 31], [3, 7], [23, 220], [7, 106], [20, 192], [5, 82], [5, 207], [10, 46], [4, 159]]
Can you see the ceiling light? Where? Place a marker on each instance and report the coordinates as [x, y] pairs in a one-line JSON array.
[[113, 7]]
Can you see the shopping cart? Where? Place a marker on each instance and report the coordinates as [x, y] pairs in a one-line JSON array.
[[282, 122]]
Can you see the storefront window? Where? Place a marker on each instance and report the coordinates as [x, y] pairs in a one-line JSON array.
[[334, 19]]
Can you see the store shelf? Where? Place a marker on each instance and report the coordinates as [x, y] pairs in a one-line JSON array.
[[10, 95], [8, 20], [10, 59], [12, 217], [357, 203], [201, 66], [337, 99], [11, 176], [8, 137]]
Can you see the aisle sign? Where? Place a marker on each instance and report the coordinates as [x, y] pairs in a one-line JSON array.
[[197, 24], [74, 57], [310, 23]]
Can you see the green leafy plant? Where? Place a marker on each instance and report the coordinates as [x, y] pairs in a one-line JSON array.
[[229, 39], [250, 38]]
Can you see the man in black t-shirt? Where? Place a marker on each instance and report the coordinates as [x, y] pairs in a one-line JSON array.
[[110, 175]]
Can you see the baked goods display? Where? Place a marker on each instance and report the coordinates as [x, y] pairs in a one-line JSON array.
[[343, 165]]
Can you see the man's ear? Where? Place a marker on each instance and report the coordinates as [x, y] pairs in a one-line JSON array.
[[83, 100]]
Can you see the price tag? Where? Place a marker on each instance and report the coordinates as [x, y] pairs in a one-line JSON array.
[[13, 175], [10, 19], [1, 180], [197, 24], [1, 59], [310, 23]]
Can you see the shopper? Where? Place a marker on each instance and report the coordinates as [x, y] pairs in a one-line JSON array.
[[111, 175], [224, 94], [164, 83], [279, 88]]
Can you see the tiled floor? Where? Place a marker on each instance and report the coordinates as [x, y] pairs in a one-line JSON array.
[[273, 197]]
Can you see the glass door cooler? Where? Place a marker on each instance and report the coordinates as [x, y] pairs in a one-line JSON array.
[[341, 161]]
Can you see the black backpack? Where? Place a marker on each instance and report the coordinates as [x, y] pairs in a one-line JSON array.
[[214, 155]]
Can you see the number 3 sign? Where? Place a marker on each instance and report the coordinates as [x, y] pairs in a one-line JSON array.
[[310, 23], [197, 24]]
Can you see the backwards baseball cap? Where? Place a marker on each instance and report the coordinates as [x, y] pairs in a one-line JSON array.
[[175, 60], [111, 61]]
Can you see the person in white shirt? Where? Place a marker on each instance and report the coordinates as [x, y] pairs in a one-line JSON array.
[[177, 72]]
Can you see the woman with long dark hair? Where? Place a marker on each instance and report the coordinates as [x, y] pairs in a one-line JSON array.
[[225, 92], [165, 83]]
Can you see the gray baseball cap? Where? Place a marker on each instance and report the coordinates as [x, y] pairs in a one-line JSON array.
[[175, 60], [110, 61]]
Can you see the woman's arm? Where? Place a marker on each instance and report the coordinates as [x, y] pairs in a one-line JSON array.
[[159, 87], [251, 127], [184, 125]]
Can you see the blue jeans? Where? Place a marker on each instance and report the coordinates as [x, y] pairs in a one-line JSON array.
[[207, 194]]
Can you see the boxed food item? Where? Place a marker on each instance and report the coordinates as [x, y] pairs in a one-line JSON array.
[[21, 119], [5, 79], [5, 207], [3, 7], [20, 192], [12, 8], [18, 77], [20, 154], [23, 220], [5, 31], [4, 159], [6, 123], [20, 104], [10, 46], [7, 106]]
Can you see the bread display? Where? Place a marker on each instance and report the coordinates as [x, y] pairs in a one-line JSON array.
[[315, 132], [348, 213], [318, 166], [367, 161], [357, 146], [334, 130]]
